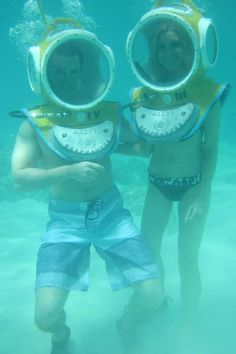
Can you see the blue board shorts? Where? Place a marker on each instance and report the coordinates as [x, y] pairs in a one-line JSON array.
[[64, 255]]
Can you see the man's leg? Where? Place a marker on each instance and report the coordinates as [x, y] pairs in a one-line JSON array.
[[145, 302], [49, 312]]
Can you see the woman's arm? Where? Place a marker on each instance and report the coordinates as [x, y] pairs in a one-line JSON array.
[[209, 160], [210, 147], [130, 144]]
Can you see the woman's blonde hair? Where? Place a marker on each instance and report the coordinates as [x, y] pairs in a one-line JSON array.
[[163, 28]]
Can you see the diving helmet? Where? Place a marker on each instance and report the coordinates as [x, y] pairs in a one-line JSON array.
[[171, 45], [70, 67]]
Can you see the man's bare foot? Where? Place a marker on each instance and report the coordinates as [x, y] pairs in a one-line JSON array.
[[61, 346]]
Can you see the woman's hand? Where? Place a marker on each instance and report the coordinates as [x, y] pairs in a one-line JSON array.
[[198, 205], [195, 209]]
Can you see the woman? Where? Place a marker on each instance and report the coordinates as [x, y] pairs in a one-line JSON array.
[[182, 128]]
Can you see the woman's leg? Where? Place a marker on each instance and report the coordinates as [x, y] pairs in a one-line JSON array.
[[190, 236], [156, 213]]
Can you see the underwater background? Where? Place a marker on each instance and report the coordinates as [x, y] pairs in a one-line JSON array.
[[23, 216]]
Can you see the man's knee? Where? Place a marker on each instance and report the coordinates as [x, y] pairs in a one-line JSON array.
[[47, 319], [49, 304], [150, 294]]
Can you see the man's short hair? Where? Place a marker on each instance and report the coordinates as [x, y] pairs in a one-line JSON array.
[[69, 48]]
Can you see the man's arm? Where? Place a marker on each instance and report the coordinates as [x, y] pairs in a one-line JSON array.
[[26, 157]]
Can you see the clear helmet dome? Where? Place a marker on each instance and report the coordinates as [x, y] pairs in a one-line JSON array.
[[76, 69], [163, 51]]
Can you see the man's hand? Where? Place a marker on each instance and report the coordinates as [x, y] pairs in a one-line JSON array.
[[86, 171]]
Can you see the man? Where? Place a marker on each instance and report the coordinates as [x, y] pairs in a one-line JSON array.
[[85, 208]]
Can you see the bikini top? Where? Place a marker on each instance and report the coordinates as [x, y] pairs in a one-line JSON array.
[[168, 117], [77, 136]]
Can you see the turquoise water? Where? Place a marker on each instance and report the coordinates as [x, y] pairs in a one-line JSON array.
[[23, 216]]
